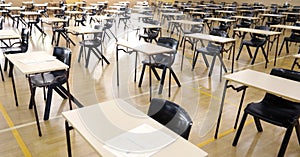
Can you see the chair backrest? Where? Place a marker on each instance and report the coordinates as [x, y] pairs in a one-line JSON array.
[[279, 101], [24, 39], [108, 24], [63, 54], [98, 36], [168, 42], [1, 22], [171, 115], [168, 58], [296, 32], [67, 23], [254, 35], [214, 47]]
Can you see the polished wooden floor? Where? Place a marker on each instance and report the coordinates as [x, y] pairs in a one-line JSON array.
[[199, 95]]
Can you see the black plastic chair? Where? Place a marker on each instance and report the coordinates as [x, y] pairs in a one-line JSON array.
[[125, 19], [292, 19], [245, 23], [274, 21], [80, 19], [194, 29], [275, 110], [164, 62], [53, 80], [92, 45], [212, 49], [294, 37], [223, 26], [60, 13], [17, 47], [60, 30], [152, 33], [296, 62], [34, 21], [258, 41], [171, 115]]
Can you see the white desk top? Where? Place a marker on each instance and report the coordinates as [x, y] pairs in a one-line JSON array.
[[188, 22], [225, 11], [219, 19], [30, 13], [9, 34], [212, 38], [40, 5], [144, 47], [258, 31], [291, 13], [102, 17], [173, 14], [286, 27], [296, 56], [50, 20], [83, 29], [99, 124], [272, 15], [200, 13], [269, 83], [114, 11], [15, 8], [246, 17], [36, 62], [5, 5]]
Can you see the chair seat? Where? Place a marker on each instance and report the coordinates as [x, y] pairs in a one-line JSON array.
[[272, 111], [45, 79], [293, 38], [11, 50], [144, 35], [90, 43], [244, 25], [160, 61], [224, 28], [210, 49], [276, 22], [187, 32], [255, 42]]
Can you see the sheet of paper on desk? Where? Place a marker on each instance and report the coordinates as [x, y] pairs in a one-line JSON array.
[[142, 141], [37, 60]]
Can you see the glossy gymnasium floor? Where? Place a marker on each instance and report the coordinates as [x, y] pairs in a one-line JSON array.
[[199, 95]]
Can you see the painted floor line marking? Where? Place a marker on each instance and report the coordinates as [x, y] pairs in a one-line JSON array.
[[222, 134], [15, 132], [212, 96]]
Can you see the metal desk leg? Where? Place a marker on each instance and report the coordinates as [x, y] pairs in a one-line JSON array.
[[34, 107], [221, 109], [14, 87], [135, 67], [117, 60], [276, 52], [68, 128], [150, 79], [182, 54], [233, 53]]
